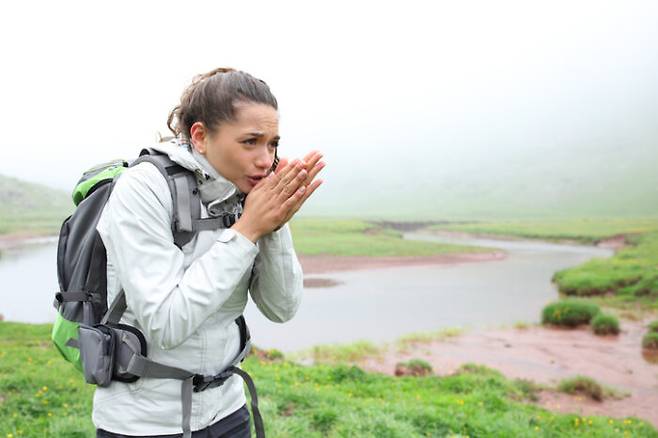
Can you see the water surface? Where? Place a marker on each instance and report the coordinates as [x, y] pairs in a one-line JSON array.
[[377, 304]]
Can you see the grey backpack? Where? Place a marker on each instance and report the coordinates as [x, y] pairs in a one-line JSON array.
[[87, 332]]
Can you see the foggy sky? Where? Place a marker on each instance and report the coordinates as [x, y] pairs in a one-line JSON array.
[[401, 91]]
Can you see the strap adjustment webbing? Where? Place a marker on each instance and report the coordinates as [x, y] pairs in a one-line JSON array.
[[63, 297]]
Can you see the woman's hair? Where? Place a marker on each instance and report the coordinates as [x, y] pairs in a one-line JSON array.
[[211, 98]]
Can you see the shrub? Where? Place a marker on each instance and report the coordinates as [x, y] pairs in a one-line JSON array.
[[650, 341], [569, 313], [341, 353], [604, 324], [653, 327], [413, 367], [343, 373], [271, 355], [582, 385], [529, 389]]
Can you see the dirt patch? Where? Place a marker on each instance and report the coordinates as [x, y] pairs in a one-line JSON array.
[[546, 356], [615, 243], [320, 264], [320, 282], [581, 405]]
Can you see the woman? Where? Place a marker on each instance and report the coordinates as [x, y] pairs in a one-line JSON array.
[[185, 300]]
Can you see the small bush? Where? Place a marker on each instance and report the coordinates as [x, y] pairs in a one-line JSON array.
[[653, 327], [582, 385], [343, 373], [604, 324], [650, 341], [271, 355], [529, 389], [569, 313], [341, 353], [413, 367]]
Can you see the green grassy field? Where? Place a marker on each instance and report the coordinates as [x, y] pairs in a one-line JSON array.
[[583, 230], [42, 396], [344, 237], [628, 280]]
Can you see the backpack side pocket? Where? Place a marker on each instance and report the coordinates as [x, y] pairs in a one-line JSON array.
[[97, 348]]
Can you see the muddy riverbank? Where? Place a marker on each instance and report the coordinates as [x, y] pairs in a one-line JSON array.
[[319, 264], [546, 356]]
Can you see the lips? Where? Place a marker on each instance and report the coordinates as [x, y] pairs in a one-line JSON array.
[[255, 179]]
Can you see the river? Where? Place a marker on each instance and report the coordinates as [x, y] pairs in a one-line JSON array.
[[379, 305]]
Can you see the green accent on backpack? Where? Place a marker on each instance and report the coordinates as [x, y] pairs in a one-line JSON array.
[[106, 171], [63, 330]]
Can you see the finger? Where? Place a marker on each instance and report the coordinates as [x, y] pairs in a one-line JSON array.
[[298, 181], [310, 189], [270, 181], [283, 162], [288, 175], [310, 155], [273, 179], [307, 193], [314, 172], [312, 159], [292, 201]]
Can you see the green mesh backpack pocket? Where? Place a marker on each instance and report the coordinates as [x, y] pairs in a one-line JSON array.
[[65, 338]]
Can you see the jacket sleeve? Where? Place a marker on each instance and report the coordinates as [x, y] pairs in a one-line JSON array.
[[277, 280], [169, 301]]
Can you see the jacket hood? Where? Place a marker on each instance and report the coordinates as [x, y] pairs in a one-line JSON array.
[[213, 187]]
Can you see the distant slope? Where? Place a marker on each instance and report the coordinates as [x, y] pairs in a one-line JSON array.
[[520, 184], [31, 208]]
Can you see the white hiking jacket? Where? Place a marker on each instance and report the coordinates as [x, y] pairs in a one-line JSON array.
[[185, 301]]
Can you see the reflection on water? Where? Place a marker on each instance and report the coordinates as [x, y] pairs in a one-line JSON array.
[[377, 304], [28, 282]]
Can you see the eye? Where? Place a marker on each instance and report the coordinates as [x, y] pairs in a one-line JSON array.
[[274, 144], [250, 141]]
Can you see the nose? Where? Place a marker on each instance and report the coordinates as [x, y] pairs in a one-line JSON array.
[[264, 158]]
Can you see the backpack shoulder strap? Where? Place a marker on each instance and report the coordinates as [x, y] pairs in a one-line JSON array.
[[182, 184], [184, 193]]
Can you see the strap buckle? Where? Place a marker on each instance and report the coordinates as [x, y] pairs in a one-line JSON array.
[[201, 382], [229, 219]]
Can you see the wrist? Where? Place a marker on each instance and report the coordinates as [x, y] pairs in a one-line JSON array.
[[244, 228]]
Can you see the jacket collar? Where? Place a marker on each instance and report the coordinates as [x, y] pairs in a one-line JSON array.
[[213, 187]]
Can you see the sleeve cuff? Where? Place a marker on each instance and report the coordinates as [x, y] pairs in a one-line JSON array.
[[230, 234]]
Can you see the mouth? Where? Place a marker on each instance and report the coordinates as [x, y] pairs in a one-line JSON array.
[[255, 179]]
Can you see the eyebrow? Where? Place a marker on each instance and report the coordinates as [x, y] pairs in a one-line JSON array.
[[262, 134]]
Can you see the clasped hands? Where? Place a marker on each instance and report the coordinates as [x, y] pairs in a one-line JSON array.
[[276, 198]]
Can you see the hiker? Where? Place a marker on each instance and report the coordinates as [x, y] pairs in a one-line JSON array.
[[185, 299]]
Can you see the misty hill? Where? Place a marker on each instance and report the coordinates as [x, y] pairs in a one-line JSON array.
[[596, 181], [31, 208]]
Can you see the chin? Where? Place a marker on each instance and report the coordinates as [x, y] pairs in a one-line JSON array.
[[245, 189]]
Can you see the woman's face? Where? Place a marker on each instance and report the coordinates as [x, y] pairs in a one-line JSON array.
[[241, 150]]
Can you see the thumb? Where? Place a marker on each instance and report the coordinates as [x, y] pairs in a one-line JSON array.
[[283, 162]]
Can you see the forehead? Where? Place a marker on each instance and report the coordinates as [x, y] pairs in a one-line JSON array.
[[255, 117]]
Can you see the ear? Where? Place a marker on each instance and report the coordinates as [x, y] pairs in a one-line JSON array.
[[198, 137]]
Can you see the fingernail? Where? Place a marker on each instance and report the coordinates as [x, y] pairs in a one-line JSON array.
[[302, 189]]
